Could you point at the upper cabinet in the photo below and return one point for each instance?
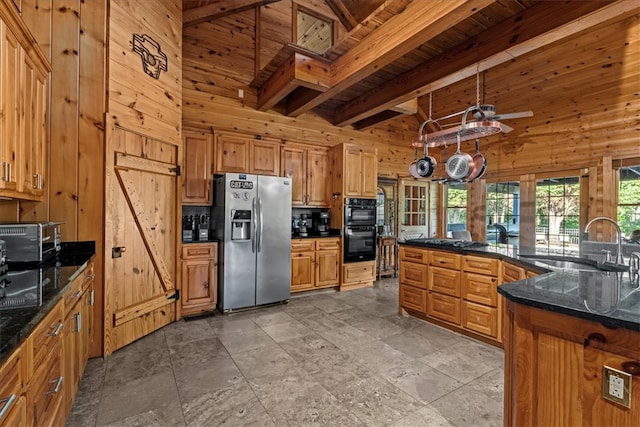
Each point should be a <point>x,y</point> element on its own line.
<point>355,170</point>
<point>308,168</point>
<point>198,165</point>
<point>24,93</point>
<point>246,154</point>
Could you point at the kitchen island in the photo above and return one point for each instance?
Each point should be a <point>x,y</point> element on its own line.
<point>559,327</point>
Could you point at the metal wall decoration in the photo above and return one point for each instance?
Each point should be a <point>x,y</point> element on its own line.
<point>154,60</point>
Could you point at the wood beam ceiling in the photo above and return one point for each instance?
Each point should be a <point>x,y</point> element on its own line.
<point>218,9</point>
<point>542,24</point>
<point>342,12</point>
<point>418,23</point>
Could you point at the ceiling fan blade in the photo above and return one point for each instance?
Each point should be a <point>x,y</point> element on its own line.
<point>513,115</point>
<point>505,128</point>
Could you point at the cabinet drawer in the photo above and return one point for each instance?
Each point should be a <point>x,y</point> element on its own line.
<point>480,289</point>
<point>46,390</point>
<point>73,294</point>
<point>303,245</point>
<point>12,381</point>
<point>46,335</point>
<point>327,244</point>
<point>413,299</point>
<point>444,281</point>
<point>479,318</point>
<point>413,274</point>
<point>481,265</point>
<point>358,272</point>
<point>443,307</point>
<point>511,273</point>
<point>445,259</point>
<point>419,256</point>
<point>200,250</point>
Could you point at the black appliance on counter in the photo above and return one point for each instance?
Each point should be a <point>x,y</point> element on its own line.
<point>31,243</point>
<point>320,223</point>
<point>359,230</point>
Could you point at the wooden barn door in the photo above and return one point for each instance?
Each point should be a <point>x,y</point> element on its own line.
<point>140,236</point>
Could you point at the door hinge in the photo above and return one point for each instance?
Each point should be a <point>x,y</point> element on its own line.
<point>175,296</point>
<point>176,170</point>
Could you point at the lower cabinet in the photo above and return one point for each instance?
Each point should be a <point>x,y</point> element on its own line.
<point>358,275</point>
<point>315,263</point>
<point>39,379</point>
<point>199,278</point>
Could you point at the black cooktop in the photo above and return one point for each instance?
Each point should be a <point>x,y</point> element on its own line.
<point>447,242</point>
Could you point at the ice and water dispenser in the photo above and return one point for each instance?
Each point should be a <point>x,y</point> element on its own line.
<point>240,224</point>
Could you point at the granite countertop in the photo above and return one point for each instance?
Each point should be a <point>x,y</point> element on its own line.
<point>188,242</point>
<point>333,232</point>
<point>604,297</point>
<point>17,323</point>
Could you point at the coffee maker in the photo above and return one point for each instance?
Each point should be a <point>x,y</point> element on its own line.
<point>303,226</point>
<point>321,223</point>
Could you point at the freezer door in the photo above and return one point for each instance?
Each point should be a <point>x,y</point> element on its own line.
<point>273,263</point>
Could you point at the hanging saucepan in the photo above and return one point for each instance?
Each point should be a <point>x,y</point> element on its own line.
<point>413,168</point>
<point>459,165</point>
<point>427,164</point>
<point>480,164</point>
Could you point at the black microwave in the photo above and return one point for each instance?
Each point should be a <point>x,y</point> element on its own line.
<point>359,212</point>
<point>31,243</point>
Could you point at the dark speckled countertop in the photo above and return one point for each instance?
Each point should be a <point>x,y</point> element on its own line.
<point>603,297</point>
<point>16,323</point>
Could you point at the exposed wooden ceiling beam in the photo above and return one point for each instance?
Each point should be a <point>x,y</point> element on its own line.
<point>418,23</point>
<point>343,14</point>
<point>542,24</point>
<point>218,9</point>
<point>407,107</point>
<point>299,70</point>
<point>376,120</point>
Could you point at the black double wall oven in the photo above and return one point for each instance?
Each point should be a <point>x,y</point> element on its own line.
<point>359,230</point>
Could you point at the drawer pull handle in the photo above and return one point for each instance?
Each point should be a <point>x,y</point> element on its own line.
<point>8,402</point>
<point>57,331</point>
<point>90,277</point>
<point>56,389</point>
<point>79,322</point>
<point>76,294</point>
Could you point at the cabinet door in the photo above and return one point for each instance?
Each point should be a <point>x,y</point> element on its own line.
<point>10,84</point>
<point>413,274</point>
<point>369,174</point>
<point>302,271</point>
<point>198,285</point>
<point>444,281</point>
<point>443,307</point>
<point>353,172</point>
<point>196,177</point>
<point>40,135</point>
<point>264,157</point>
<point>293,165</point>
<point>232,153</point>
<point>413,298</point>
<point>71,352</point>
<point>327,268</point>
<point>318,177</point>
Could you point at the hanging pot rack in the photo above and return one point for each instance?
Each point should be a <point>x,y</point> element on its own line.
<point>466,131</point>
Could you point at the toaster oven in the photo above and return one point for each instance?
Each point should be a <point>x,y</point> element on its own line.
<point>31,243</point>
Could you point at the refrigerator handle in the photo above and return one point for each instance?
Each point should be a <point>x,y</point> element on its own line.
<point>261,225</point>
<point>255,225</point>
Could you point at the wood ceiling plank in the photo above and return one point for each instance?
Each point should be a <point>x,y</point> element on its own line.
<point>419,22</point>
<point>344,15</point>
<point>218,9</point>
<point>538,26</point>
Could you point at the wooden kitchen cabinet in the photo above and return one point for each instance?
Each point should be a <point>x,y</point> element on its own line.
<point>413,279</point>
<point>197,168</point>
<point>554,369</point>
<point>358,275</point>
<point>315,263</point>
<point>23,123</point>
<point>308,168</point>
<point>241,153</point>
<point>355,170</point>
<point>199,278</point>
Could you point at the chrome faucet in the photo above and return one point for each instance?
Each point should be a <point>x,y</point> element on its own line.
<point>585,236</point>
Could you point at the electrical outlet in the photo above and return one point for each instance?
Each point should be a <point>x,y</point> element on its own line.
<point>240,93</point>
<point>616,386</point>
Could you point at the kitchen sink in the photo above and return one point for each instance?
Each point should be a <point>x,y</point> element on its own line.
<point>574,263</point>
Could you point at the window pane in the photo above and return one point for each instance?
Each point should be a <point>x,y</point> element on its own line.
<point>629,199</point>
<point>456,207</point>
<point>503,212</point>
<point>558,215</point>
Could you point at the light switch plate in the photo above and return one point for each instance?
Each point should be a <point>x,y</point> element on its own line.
<point>616,386</point>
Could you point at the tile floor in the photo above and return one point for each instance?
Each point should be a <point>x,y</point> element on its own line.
<point>334,359</point>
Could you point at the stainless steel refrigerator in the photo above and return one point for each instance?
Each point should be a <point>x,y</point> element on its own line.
<point>252,216</point>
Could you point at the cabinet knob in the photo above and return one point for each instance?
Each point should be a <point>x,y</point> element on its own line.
<point>205,285</point>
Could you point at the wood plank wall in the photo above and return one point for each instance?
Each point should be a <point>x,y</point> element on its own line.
<point>137,101</point>
<point>219,59</point>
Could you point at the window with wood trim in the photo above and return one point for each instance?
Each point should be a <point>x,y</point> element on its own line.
<point>312,30</point>
<point>503,212</point>
<point>629,199</point>
<point>558,215</point>
<point>456,199</point>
